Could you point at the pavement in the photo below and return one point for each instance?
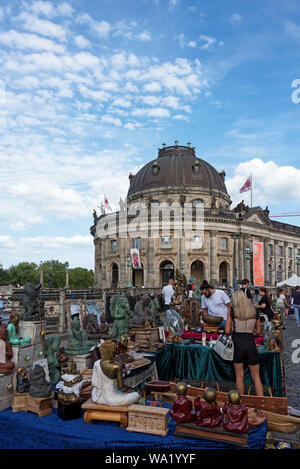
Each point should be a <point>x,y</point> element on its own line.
<point>291,354</point>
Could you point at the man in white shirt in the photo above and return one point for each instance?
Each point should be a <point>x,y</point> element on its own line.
<point>215,302</point>
<point>168,293</point>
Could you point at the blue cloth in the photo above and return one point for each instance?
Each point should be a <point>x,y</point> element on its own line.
<point>28,431</point>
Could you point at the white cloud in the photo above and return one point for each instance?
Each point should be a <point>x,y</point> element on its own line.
<point>145,36</point>
<point>25,41</point>
<point>207,42</point>
<point>108,119</point>
<point>153,112</point>
<point>56,242</point>
<point>6,242</point>
<point>82,42</point>
<point>235,18</point>
<point>192,44</point>
<point>100,28</point>
<point>43,27</point>
<point>153,86</point>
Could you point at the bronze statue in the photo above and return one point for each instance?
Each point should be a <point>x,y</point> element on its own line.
<point>6,353</point>
<point>22,380</point>
<point>141,312</point>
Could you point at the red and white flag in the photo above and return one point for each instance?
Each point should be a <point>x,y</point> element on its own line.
<point>247,186</point>
<point>106,203</point>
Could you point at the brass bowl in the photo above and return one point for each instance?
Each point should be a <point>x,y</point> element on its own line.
<point>212,320</point>
<point>277,323</point>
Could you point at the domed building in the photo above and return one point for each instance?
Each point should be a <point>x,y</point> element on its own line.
<point>178,215</point>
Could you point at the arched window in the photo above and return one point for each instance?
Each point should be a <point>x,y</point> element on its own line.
<point>115,275</point>
<point>166,272</point>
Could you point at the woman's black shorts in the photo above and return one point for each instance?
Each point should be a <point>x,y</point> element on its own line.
<point>244,348</point>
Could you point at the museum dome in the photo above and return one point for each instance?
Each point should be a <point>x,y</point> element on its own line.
<point>177,167</point>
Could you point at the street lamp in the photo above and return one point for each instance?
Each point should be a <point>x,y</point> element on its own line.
<point>235,282</point>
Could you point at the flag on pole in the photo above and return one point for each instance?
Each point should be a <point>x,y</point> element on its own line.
<point>106,203</point>
<point>247,186</point>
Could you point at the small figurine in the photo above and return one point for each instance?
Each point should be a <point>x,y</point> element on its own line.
<point>107,379</point>
<point>22,380</point>
<point>6,353</point>
<point>39,386</point>
<point>122,345</point>
<point>235,414</point>
<point>61,357</point>
<point>70,383</point>
<point>13,332</point>
<point>52,346</point>
<point>208,413</point>
<point>78,342</point>
<point>183,406</point>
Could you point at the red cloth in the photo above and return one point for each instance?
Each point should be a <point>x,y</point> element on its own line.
<point>198,336</point>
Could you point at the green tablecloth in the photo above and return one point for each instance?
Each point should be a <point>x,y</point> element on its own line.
<point>197,362</point>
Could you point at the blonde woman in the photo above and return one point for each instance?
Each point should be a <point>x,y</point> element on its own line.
<point>243,322</point>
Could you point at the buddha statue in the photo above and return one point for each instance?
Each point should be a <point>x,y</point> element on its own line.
<point>6,353</point>
<point>121,313</point>
<point>70,383</point>
<point>122,345</point>
<point>235,414</point>
<point>208,413</point>
<point>33,305</point>
<point>182,409</point>
<point>141,313</point>
<point>61,357</point>
<point>22,380</point>
<point>78,342</point>
<point>39,386</point>
<point>107,379</point>
<point>13,332</point>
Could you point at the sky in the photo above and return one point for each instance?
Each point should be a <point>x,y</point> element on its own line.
<point>90,90</point>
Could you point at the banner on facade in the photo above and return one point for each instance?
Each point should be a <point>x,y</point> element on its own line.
<point>135,258</point>
<point>258,264</point>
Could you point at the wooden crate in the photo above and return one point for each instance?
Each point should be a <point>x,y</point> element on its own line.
<point>144,419</point>
<point>39,405</point>
<point>19,402</point>
<point>148,339</point>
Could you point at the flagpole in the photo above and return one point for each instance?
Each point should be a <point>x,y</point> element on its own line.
<point>251,190</point>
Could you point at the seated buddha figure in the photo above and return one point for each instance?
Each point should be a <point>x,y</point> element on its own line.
<point>78,342</point>
<point>39,386</point>
<point>14,337</point>
<point>141,314</point>
<point>208,413</point>
<point>183,406</point>
<point>107,379</point>
<point>6,353</point>
<point>235,414</point>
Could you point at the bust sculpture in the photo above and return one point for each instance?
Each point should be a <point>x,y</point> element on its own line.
<point>78,342</point>
<point>6,353</point>
<point>22,380</point>
<point>91,327</point>
<point>33,306</point>
<point>14,337</point>
<point>235,414</point>
<point>182,409</point>
<point>141,313</point>
<point>208,413</point>
<point>121,313</point>
<point>39,386</point>
<point>70,383</point>
<point>107,379</point>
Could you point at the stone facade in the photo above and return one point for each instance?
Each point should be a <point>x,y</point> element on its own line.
<point>219,252</point>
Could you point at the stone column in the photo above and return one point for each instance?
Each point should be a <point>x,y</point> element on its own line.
<point>41,273</point>
<point>275,261</point>
<point>241,256</point>
<point>151,276</point>
<point>247,262</point>
<point>214,274</point>
<point>123,262</point>
<point>265,241</point>
<point>67,278</point>
<point>286,260</point>
<point>235,261</point>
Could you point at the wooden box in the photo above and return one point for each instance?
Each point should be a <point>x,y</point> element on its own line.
<point>94,411</point>
<point>148,339</point>
<point>19,402</point>
<point>69,410</point>
<point>39,405</point>
<point>144,419</point>
<point>191,430</point>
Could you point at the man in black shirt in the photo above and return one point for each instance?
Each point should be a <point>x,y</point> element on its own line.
<point>246,289</point>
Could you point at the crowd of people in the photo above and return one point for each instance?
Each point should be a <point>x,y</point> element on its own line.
<point>242,313</point>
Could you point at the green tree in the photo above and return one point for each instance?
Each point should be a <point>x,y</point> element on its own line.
<point>4,276</point>
<point>24,272</point>
<point>81,278</point>
<point>58,270</point>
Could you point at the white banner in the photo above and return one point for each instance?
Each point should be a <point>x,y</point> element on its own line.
<point>135,259</point>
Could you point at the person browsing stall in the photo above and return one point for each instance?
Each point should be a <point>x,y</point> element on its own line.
<point>168,294</point>
<point>215,302</point>
<point>246,289</point>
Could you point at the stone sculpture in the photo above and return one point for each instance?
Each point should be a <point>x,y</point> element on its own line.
<point>107,379</point>
<point>182,409</point>
<point>6,353</point>
<point>91,327</point>
<point>78,342</point>
<point>33,305</point>
<point>235,414</point>
<point>141,312</point>
<point>121,313</point>
<point>39,386</point>
<point>14,337</point>
<point>208,413</point>
<point>52,346</point>
<point>179,287</point>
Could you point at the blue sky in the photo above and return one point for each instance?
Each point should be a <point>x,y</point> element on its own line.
<point>90,90</point>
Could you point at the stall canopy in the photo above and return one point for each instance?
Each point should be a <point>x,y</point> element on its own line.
<point>293,281</point>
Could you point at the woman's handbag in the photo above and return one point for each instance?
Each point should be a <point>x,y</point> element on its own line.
<point>224,347</point>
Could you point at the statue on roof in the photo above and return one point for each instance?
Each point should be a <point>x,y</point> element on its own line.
<point>241,207</point>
